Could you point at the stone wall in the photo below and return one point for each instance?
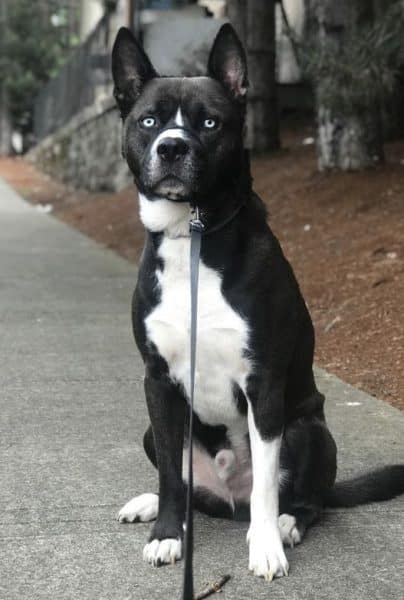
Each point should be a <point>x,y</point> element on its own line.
<point>86,152</point>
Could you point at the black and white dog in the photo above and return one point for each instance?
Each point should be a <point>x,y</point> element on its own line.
<point>263,449</point>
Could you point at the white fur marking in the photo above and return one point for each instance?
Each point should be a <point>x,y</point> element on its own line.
<point>162,552</point>
<point>142,508</point>
<point>179,120</point>
<point>222,336</point>
<point>266,555</point>
<point>164,215</point>
<point>289,532</point>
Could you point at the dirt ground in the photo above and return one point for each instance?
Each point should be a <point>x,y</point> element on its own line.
<point>343,234</point>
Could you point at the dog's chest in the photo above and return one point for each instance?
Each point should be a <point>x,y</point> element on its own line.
<point>222,335</point>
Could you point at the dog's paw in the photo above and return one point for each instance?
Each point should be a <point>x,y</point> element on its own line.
<point>162,552</point>
<point>266,555</point>
<point>141,508</point>
<point>289,532</point>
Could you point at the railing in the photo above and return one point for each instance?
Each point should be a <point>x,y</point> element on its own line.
<point>77,84</point>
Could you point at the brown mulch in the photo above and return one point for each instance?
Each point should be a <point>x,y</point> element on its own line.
<point>343,233</point>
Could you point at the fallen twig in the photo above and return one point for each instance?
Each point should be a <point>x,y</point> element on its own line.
<point>213,588</point>
<point>332,323</point>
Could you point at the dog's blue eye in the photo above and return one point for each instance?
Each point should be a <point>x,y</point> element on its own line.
<point>148,122</point>
<point>209,123</point>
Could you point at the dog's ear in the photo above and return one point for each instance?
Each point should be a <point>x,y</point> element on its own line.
<point>131,69</point>
<point>227,62</point>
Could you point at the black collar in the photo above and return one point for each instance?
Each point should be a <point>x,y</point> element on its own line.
<point>197,221</point>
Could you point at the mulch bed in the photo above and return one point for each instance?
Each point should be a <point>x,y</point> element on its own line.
<point>342,232</point>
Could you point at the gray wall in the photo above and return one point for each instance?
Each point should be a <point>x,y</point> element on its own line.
<point>86,153</point>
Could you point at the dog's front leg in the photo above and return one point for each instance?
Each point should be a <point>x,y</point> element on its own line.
<point>166,407</point>
<point>266,555</point>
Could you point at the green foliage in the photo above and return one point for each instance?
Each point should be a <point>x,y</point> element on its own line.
<point>33,49</point>
<point>358,67</point>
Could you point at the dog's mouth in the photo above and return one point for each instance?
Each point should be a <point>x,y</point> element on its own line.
<point>172,188</point>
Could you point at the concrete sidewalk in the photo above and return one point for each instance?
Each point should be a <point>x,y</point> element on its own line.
<point>72,419</point>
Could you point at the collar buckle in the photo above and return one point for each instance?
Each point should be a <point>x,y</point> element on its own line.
<point>195,224</point>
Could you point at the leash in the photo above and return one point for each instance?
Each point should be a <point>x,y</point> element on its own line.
<point>196,228</point>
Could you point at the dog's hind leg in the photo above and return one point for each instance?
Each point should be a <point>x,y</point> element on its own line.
<point>309,457</point>
<point>294,523</point>
<point>142,508</point>
<point>211,505</point>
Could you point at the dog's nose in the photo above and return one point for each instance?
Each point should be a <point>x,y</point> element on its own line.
<point>171,149</point>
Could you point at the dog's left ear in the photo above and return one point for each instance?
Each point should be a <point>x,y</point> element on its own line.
<point>131,69</point>
<point>227,62</point>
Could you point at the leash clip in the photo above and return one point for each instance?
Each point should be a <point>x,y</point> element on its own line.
<point>195,224</point>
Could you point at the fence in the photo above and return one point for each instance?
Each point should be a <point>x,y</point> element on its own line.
<point>77,83</point>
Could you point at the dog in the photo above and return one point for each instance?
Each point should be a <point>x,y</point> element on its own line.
<point>262,448</point>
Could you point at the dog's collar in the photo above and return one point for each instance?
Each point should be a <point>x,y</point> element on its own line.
<point>197,221</point>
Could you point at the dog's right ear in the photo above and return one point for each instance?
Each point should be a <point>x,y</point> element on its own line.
<point>228,63</point>
<point>131,69</point>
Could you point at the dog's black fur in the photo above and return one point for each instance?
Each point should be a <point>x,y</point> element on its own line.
<point>257,282</point>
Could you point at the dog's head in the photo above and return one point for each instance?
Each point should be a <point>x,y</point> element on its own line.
<point>182,136</point>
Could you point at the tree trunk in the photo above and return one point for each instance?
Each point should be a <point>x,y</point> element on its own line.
<point>5,120</point>
<point>254,20</point>
<point>237,13</point>
<point>393,102</point>
<point>5,126</point>
<point>348,142</point>
<point>348,139</point>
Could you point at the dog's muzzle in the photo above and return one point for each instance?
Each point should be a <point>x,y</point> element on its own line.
<point>175,163</point>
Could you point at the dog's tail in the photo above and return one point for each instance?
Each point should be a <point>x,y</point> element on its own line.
<point>376,486</point>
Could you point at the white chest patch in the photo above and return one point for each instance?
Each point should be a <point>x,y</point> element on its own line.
<point>222,335</point>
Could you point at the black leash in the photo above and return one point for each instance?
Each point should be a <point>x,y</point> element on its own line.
<point>196,229</point>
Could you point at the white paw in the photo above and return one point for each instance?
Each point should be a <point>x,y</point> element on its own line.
<point>141,508</point>
<point>267,558</point>
<point>289,532</point>
<point>162,552</point>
